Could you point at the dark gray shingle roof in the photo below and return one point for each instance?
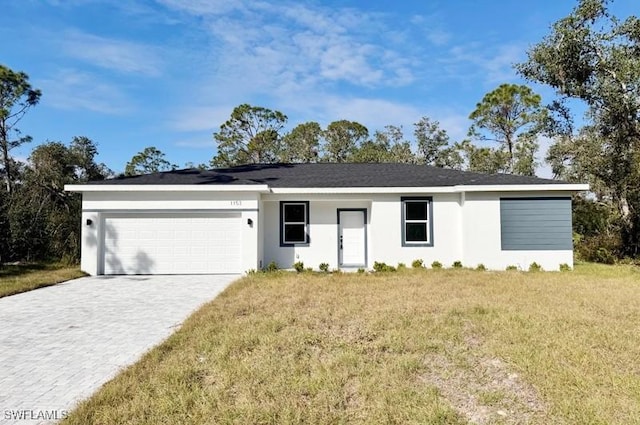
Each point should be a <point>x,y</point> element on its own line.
<point>328,175</point>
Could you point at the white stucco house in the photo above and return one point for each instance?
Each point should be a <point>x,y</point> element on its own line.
<point>347,215</point>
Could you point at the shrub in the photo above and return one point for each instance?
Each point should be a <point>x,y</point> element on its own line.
<point>271,267</point>
<point>436,265</point>
<point>604,248</point>
<point>417,264</point>
<point>603,255</point>
<point>481,267</point>
<point>324,267</point>
<point>535,267</point>
<point>457,264</point>
<point>299,266</point>
<point>361,270</point>
<point>511,268</point>
<point>402,266</point>
<point>565,267</point>
<point>308,269</point>
<point>383,267</point>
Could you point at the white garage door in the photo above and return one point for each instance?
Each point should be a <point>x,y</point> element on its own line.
<point>172,244</point>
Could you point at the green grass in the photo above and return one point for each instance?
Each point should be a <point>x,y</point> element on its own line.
<point>417,346</point>
<point>18,278</point>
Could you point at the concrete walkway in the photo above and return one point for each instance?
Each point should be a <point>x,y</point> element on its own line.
<point>59,344</point>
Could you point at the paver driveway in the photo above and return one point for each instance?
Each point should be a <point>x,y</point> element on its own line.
<point>61,343</point>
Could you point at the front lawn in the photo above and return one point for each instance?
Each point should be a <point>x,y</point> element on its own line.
<point>16,278</point>
<point>440,347</point>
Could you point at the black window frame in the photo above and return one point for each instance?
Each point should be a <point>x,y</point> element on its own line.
<point>429,221</point>
<point>307,239</point>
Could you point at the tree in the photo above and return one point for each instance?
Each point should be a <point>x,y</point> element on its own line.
<point>83,151</point>
<point>342,139</point>
<point>16,97</point>
<point>150,160</point>
<point>510,115</point>
<point>250,136</point>
<point>482,159</point>
<point>5,227</point>
<point>302,144</point>
<point>388,145</point>
<point>42,218</point>
<point>430,140</point>
<point>594,57</point>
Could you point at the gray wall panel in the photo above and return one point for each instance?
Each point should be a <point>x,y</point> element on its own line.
<point>535,224</point>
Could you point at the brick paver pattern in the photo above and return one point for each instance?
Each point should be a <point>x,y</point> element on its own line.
<point>59,344</point>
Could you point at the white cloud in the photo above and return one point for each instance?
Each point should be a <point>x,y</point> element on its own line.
<point>544,169</point>
<point>196,143</point>
<point>270,44</point>
<point>72,89</point>
<point>203,7</point>
<point>201,118</point>
<point>491,63</point>
<point>117,55</point>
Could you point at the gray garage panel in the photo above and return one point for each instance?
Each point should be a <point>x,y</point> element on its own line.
<point>535,224</point>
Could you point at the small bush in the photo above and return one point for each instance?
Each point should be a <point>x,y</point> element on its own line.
<point>299,266</point>
<point>535,267</point>
<point>565,267</point>
<point>417,264</point>
<point>324,267</point>
<point>481,268</point>
<point>271,267</point>
<point>604,248</point>
<point>402,266</point>
<point>436,265</point>
<point>603,255</point>
<point>512,268</point>
<point>383,267</point>
<point>308,269</point>
<point>361,270</point>
<point>457,264</point>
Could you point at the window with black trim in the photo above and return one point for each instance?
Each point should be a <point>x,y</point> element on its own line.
<point>294,223</point>
<point>416,222</point>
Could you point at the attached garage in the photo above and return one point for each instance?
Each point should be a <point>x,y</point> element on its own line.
<point>172,243</point>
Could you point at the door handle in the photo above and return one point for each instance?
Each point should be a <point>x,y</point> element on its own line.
<point>340,241</point>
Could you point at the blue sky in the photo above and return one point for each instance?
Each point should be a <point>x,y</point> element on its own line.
<point>166,73</point>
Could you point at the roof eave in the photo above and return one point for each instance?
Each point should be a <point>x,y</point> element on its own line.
<point>261,188</point>
<point>555,187</point>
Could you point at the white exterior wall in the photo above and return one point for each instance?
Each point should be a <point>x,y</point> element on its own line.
<point>383,227</point>
<point>95,205</point>
<point>481,235</point>
<point>323,231</point>
<point>386,232</point>
<point>466,226</point>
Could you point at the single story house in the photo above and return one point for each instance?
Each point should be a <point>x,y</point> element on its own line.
<point>348,215</point>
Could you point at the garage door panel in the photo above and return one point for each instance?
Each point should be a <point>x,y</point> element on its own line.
<point>181,244</point>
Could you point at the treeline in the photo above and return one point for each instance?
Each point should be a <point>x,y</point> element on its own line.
<point>590,57</point>
<point>511,117</point>
<point>39,221</point>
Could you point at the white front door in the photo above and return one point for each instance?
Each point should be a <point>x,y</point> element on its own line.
<point>352,241</point>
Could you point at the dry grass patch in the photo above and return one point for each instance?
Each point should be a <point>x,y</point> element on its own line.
<point>18,278</point>
<point>439,347</point>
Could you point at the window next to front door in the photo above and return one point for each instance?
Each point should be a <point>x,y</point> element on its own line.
<point>294,223</point>
<point>417,221</point>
